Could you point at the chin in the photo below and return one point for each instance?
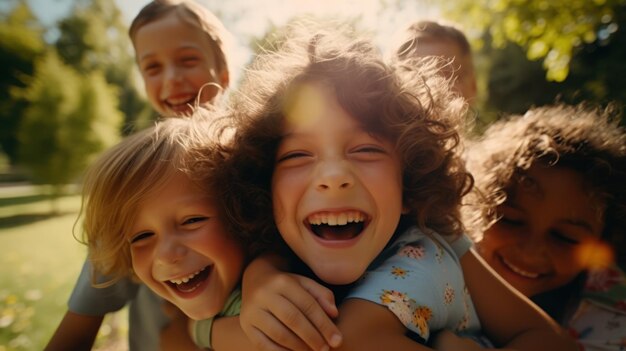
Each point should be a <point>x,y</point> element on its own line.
<point>336,277</point>
<point>198,314</point>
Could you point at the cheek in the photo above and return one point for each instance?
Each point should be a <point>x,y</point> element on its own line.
<point>284,194</point>
<point>200,75</point>
<point>151,85</point>
<point>494,239</point>
<point>567,262</point>
<point>139,263</point>
<point>233,258</point>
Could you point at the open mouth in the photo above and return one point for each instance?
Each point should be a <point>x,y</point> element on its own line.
<point>180,105</point>
<point>519,271</point>
<point>337,225</point>
<point>191,282</point>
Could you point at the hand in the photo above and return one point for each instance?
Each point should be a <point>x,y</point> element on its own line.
<point>284,311</point>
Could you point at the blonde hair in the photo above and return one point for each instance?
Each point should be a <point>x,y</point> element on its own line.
<point>119,180</point>
<point>197,16</point>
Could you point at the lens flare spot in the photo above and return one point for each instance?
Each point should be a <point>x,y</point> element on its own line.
<point>303,104</point>
<point>595,254</point>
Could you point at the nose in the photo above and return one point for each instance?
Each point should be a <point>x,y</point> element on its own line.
<point>169,250</point>
<point>534,251</point>
<point>172,74</point>
<point>334,175</point>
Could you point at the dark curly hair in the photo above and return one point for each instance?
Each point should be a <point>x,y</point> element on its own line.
<point>412,107</point>
<point>587,140</point>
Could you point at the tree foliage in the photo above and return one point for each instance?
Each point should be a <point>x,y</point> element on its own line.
<point>70,118</point>
<point>549,30</point>
<point>94,37</point>
<point>21,42</point>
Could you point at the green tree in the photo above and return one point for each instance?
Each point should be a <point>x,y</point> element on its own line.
<point>94,37</point>
<point>69,119</point>
<point>21,42</point>
<point>549,30</point>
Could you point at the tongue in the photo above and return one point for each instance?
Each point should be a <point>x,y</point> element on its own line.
<point>193,283</point>
<point>338,232</point>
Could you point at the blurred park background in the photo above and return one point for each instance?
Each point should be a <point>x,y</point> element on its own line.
<point>69,89</point>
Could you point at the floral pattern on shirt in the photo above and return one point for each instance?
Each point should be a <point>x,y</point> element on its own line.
<point>419,279</point>
<point>416,252</point>
<point>398,303</point>
<point>400,272</point>
<point>448,294</point>
<point>421,316</point>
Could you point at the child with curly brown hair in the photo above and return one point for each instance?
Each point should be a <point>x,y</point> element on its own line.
<point>351,163</point>
<point>550,205</point>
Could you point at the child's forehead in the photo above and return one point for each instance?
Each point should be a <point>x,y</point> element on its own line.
<point>174,23</point>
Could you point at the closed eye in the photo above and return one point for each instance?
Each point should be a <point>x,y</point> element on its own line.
<point>194,220</point>
<point>190,60</point>
<point>371,149</point>
<point>564,238</point>
<point>151,69</point>
<point>291,155</point>
<point>140,236</point>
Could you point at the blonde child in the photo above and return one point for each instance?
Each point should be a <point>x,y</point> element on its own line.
<point>183,54</point>
<point>355,164</point>
<point>182,51</point>
<point>550,202</point>
<point>151,213</point>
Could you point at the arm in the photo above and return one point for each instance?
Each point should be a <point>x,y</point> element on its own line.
<point>75,332</point>
<point>286,310</point>
<point>87,307</point>
<point>510,319</point>
<point>368,326</point>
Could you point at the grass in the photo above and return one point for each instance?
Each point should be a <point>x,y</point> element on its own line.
<point>39,265</point>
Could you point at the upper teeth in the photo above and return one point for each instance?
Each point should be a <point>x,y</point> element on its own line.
<point>336,218</point>
<point>520,271</point>
<point>178,101</point>
<point>187,278</point>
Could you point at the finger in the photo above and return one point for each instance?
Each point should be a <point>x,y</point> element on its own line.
<point>322,322</point>
<point>304,316</point>
<point>322,294</point>
<point>275,332</point>
<point>261,342</point>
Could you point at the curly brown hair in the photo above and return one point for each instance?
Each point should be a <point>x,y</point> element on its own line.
<point>587,140</point>
<point>115,185</point>
<point>413,107</point>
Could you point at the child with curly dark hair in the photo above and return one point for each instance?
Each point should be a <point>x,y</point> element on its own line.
<point>351,163</point>
<point>550,205</point>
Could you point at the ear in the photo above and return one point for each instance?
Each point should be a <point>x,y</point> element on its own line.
<point>224,79</point>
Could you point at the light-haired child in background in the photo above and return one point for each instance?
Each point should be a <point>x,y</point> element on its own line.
<point>429,38</point>
<point>354,160</point>
<point>182,52</point>
<point>551,202</point>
